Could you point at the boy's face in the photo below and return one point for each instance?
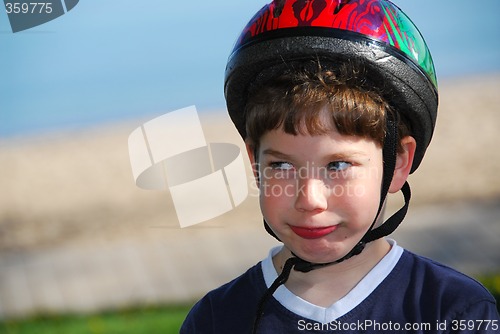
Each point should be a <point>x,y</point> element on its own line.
<point>320,193</point>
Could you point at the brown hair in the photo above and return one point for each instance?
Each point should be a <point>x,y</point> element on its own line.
<point>296,99</point>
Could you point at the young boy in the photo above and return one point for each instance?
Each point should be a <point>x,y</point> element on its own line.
<point>336,101</point>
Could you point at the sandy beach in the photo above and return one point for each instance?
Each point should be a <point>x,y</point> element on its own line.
<point>73,188</point>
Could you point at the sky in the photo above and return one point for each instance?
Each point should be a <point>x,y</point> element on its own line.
<point>111,60</point>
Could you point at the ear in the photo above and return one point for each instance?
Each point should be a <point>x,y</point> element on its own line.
<point>251,151</point>
<point>404,162</point>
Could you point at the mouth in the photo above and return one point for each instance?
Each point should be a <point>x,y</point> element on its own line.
<point>313,233</point>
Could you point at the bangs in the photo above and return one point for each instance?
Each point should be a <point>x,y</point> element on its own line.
<point>314,104</point>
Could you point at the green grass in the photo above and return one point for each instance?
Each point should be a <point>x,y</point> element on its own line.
<point>492,283</point>
<point>151,320</point>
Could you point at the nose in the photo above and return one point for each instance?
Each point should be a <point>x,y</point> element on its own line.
<point>311,195</point>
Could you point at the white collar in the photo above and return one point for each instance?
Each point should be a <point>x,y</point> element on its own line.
<point>359,293</point>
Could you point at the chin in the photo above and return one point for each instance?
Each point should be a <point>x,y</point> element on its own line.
<point>321,252</point>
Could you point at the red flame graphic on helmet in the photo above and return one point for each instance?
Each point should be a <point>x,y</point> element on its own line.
<point>377,19</point>
<point>363,16</point>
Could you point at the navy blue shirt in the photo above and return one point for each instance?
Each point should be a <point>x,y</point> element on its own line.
<point>418,296</point>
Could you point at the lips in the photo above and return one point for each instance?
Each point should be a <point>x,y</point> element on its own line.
<point>313,233</point>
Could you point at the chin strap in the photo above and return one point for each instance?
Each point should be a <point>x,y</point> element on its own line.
<point>282,278</point>
<point>297,264</point>
<point>389,153</point>
<point>393,222</point>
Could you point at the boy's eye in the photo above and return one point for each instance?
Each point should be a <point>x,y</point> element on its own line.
<point>338,166</point>
<point>281,165</point>
<point>281,170</point>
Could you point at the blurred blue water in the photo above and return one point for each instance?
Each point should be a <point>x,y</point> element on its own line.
<point>117,59</point>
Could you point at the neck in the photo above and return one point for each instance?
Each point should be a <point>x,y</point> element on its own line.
<point>325,286</point>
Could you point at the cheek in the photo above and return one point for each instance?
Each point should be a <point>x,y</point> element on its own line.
<point>357,200</point>
<point>368,182</point>
<point>276,197</point>
<point>364,204</point>
<point>275,192</point>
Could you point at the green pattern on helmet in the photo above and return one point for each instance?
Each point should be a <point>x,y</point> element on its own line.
<point>404,35</point>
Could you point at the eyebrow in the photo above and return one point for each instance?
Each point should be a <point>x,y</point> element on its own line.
<point>276,154</point>
<point>344,155</point>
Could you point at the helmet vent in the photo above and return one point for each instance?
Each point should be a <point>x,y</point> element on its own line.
<point>278,8</point>
<point>338,8</point>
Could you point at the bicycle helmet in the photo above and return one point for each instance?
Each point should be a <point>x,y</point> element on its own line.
<point>376,32</point>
